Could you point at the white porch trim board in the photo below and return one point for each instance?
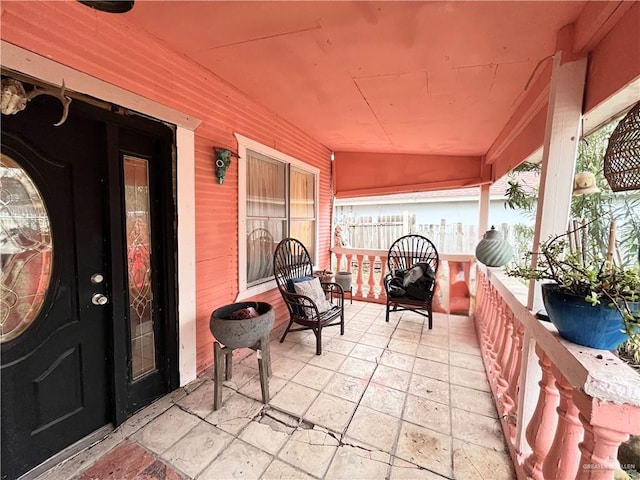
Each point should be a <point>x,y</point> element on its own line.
<point>485,201</point>
<point>561,138</point>
<point>562,134</point>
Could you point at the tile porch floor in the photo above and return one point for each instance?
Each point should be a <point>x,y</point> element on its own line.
<point>386,400</point>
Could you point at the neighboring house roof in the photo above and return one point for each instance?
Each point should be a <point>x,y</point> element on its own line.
<point>529,180</point>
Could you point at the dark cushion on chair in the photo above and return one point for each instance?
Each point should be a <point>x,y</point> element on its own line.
<point>291,281</point>
<point>299,311</point>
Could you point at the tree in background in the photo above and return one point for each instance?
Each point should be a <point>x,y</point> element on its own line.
<point>596,209</point>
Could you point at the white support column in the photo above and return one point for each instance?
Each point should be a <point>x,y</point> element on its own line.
<point>485,200</point>
<point>558,160</point>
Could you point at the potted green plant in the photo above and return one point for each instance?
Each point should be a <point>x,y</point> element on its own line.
<point>591,301</point>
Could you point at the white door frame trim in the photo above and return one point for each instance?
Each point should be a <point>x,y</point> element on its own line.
<point>36,66</point>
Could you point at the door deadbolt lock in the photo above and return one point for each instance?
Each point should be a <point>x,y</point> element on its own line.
<point>97,278</point>
<point>99,299</point>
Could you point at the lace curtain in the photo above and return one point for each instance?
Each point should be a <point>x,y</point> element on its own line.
<point>266,213</point>
<point>303,208</point>
<point>267,220</point>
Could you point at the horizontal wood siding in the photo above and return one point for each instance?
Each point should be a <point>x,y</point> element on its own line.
<point>106,47</point>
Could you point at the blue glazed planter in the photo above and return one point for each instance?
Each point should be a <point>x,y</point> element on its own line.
<point>579,322</point>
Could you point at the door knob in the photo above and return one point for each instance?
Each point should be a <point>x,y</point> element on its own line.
<point>99,299</point>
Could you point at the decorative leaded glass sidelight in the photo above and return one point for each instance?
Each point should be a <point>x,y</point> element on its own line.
<point>136,185</point>
<point>26,250</point>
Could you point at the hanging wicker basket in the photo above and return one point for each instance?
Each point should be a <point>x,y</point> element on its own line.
<point>622,159</point>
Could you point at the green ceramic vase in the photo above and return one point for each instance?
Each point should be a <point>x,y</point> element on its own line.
<point>493,250</point>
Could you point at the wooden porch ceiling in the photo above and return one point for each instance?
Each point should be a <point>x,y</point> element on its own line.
<point>440,78</point>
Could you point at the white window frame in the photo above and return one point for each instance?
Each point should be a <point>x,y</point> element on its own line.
<point>244,144</point>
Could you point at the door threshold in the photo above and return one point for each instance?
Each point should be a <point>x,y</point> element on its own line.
<point>68,452</point>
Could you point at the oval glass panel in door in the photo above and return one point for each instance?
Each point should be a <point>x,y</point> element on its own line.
<point>26,250</point>
<point>136,184</point>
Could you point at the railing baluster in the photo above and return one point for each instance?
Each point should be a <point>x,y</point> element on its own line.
<point>564,456</point>
<point>599,452</point>
<point>543,423</point>
<point>372,279</point>
<point>502,385</point>
<point>513,374</point>
<point>349,268</point>
<point>492,333</point>
<point>606,426</point>
<point>485,341</point>
<point>359,281</point>
<point>366,288</point>
<point>546,384</point>
<point>383,273</point>
<point>480,300</point>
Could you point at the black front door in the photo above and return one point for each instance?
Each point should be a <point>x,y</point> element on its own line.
<point>86,248</point>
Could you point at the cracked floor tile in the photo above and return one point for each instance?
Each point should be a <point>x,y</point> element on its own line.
<point>357,462</point>
<point>402,470</point>
<point>235,413</point>
<point>278,470</point>
<point>240,460</point>
<point>264,436</point>
<point>473,462</point>
<point>193,452</point>
<point>166,429</point>
<point>426,448</point>
<point>310,450</point>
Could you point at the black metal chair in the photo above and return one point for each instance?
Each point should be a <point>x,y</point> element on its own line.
<point>405,253</point>
<point>292,264</point>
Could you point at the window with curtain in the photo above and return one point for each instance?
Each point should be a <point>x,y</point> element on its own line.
<point>280,202</point>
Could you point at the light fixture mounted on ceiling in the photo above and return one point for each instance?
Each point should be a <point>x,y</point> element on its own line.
<point>109,6</point>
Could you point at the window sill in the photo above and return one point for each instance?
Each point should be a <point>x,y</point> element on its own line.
<point>256,290</point>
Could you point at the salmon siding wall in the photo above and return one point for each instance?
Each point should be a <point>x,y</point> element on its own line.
<point>106,47</point>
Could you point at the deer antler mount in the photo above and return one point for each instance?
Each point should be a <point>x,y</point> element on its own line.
<point>14,98</point>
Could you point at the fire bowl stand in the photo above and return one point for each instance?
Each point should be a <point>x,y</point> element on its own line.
<point>223,359</point>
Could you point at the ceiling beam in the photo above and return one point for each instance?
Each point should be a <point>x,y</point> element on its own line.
<point>594,22</point>
<point>531,102</point>
<point>361,174</point>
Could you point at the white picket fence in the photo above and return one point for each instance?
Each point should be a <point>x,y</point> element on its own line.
<point>372,233</point>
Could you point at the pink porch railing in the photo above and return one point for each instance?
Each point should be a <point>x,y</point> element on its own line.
<point>564,408</point>
<point>370,266</point>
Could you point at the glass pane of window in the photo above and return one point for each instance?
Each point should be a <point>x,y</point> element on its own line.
<point>266,186</point>
<point>302,194</point>
<point>262,238</point>
<point>303,208</point>
<point>26,250</point>
<point>266,214</point>
<point>305,231</point>
<point>136,184</point>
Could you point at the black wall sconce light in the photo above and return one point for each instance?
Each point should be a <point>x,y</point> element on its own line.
<point>223,161</point>
<point>109,6</point>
